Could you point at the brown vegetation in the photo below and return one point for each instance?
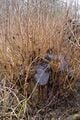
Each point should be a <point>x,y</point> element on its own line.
<point>25,36</point>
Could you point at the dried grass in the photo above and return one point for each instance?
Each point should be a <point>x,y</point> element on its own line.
<point>25,36</point>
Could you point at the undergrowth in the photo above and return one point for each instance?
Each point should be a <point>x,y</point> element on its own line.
<point>27,32</point>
